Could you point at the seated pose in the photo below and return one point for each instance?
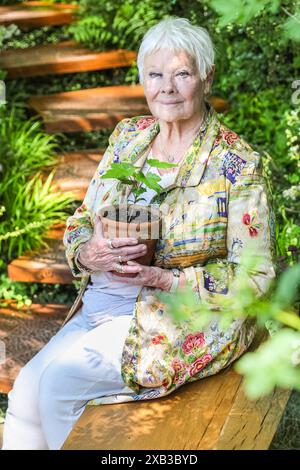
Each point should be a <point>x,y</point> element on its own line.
<point>117,342</point>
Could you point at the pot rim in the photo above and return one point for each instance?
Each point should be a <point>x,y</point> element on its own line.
<point>110,222</point>
<point>146,208</point>
<point>152,210</point>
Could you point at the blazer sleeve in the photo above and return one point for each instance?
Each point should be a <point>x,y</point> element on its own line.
<point>79,226</point>
<point>250,222</point>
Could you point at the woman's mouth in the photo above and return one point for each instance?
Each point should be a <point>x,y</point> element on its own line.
<point>170,103</point>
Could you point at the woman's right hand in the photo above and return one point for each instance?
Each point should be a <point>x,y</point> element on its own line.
<point>97,255</point>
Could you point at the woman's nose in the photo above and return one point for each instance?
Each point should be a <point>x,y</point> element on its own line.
<point>168,85</point>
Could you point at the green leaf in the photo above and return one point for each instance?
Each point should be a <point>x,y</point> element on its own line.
<point>159,164</point>
<point>271,365</point>
<point>241,12</point>
<point>139,191</point>
<point>287,287</point>
<point>151,180</point>
<point>119,170</point>
<point>292,28</point>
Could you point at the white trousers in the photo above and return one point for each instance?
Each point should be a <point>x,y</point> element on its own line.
<point>51,391</point>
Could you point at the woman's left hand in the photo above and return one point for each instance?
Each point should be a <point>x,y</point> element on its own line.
<point>151,276</point>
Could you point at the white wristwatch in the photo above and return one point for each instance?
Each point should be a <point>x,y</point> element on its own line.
<point>175,281</point>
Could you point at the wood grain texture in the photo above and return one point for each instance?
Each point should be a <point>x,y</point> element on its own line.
<point>36,14</point>
<point>96,108</point>
<point>23,335</point>
<point>208,414</point>
<point>251,425</point>
<point>189,418</point>
<point>65,57</point>
<point>12,310</point>
<point>89,109</point>
<point>74,171</point>
<point>56,231</point>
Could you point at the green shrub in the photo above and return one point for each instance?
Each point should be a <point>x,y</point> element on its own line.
<point>29,206</point>
<point>105,25</point>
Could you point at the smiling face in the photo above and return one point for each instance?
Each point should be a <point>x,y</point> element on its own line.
<point>172,85</point>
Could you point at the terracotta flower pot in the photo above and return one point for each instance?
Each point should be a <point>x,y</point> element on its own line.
<point>138,221</point>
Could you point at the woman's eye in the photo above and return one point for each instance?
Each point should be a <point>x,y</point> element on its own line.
<point>154,74</point>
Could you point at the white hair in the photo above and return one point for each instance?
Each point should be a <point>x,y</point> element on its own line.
<point>178,33</point>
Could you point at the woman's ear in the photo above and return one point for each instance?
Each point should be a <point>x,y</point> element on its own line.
<point>209,80</point>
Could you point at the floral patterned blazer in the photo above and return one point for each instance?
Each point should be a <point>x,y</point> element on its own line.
<point>223,192</point>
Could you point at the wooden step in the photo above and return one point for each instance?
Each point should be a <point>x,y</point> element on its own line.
<point>95,108</point>
<point>65,57</point>
<point>36,14</point>
<point>49,310</point>
<point>47,265</point>
<point>89,109</point>
<point>56,231</point>
<point>75,171</point>
<point>209,414</point>
<point>24,334</point>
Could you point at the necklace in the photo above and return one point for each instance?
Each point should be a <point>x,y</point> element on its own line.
<point>171,158</point>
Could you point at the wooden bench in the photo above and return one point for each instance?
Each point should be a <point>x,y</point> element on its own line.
<point>212,413</point>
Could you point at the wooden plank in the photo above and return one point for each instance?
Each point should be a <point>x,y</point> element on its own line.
<point>37,14</point>
<point>56,231</point>
<point>23,336</point>
<point>36,309</point>
<point>58,6</point>
<point>89,109</point>
<point>48,265</point>
<point>251,425</point>
<point>95,108</point>
<point>178,421</point>
<point>65,57</point>
<point>75,171</point>
<point>219,104</point>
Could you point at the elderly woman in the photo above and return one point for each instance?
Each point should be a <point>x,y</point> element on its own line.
<point>117,342</point>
